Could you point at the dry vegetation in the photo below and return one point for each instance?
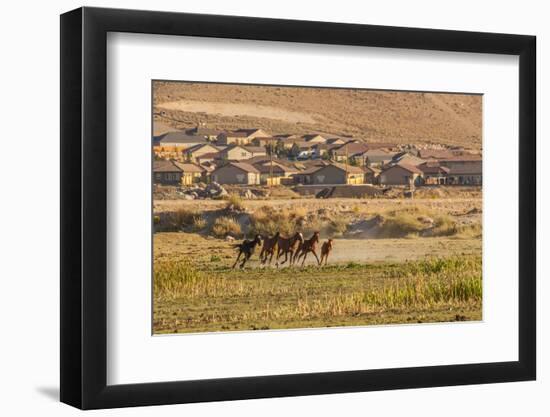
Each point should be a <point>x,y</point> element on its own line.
<point>449,119</point>
<point>195,296</point>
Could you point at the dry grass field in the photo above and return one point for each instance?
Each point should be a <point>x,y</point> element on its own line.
<point>401,275</point>
<point>397,117</point>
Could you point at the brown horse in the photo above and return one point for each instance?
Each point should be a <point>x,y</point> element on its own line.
<point>326,248</point>
<point>247,248</point>
<point>288,246</point>
<point>268,248</point>
<point>307,246</point>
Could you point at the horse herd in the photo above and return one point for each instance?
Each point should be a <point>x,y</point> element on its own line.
<point>293,248</point>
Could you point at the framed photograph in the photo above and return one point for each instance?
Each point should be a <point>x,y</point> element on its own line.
<point>257,208</point>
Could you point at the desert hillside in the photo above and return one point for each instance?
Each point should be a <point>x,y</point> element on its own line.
<point>450,119</point>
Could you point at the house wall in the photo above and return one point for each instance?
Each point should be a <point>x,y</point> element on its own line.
<point>202,151</point>
<point>224,139</point>
<point>397,176</point>
<point>237,154</point>
<point>167,178</point>
<point>329,175</point>
<point>232,175</point>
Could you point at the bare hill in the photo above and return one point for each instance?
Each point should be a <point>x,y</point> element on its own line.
<point>400,117</point>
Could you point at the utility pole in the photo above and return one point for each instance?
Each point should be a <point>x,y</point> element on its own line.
<point>270,164</point>
<point>346,161</point>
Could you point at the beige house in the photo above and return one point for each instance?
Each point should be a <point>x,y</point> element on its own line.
<point>196,152</point>
<point>256,151</point>
<point>371,175</point>
<point>166,173</point>
<point>377,157</point>
<point>314,138</point>
<point>336,173</point>
<point>236,173</point>
<point>190,173</point>
<point>433,173</point>
<point>240,136</point>
<point>407,158</point>
<point>348,151</point>
<point>265,141</point>
<point>400,174</point>
<point>205,132</point>
<point>235,153</point>
<point>269,170</point>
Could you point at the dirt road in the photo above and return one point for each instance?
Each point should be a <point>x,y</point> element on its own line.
<point>193,246</point>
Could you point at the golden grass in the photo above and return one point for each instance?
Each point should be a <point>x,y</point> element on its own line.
<point>219,298</point>
<point>226,226</point>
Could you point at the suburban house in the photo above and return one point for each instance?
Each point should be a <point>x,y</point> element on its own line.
<point>400,174</point>
<point>371,174</point>
<point>176,141</point>
<point>166,173</point>
<point>240,152</point>
<point>207,157</point>
<point>377,157</point>
<point>348,150</point>
<point>305,176</point>
<point>314,138</point>
<point>322,149</point>
<point>406,158</point>
<point>288,143</point>
<point>236,173</point>
<point>190,173</point>
<point>240,136</point>
<point>273,172</point>
<point>195,152</point>
<point>468,173</point>
<point>205,132</point>
<point>462,161</point>
<point>265,141</point>
<point>433,173</point>
<point>256,150</point>
<point>336,173</point>
<point>335,141</point>
<point>302,150</point>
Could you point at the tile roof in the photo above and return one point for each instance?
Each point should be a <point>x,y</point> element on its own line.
<point>179,137</point>
<point>241,165</point>
<point>165,166</point>
<point>188,167</point>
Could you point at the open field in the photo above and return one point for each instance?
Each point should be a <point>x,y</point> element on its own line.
<point>377,281</point>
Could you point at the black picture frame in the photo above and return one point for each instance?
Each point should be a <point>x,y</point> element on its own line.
<point>84,207</point>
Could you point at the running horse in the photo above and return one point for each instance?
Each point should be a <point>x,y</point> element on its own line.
<point>326,248</point>
<point>268,248</point>
<point>247,248</point>
<point>307,246</point>
<point>288,246</point>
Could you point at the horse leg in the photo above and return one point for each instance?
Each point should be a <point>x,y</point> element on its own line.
<point>286,258</point>
<point>316,257</point>
<point>305,256</point>
<point>237,260</point>
<point>279,253</point>
<point>246,258</point>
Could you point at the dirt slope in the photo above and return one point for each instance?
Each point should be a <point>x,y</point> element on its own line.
<point>451,119</point>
